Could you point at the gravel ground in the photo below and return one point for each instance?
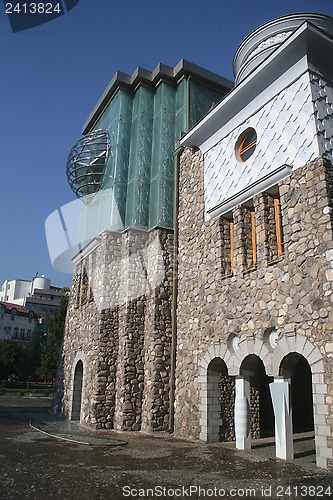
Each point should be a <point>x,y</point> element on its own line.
<point>37,466</point>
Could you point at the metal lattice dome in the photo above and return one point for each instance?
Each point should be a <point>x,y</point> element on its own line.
<point>86,163</point>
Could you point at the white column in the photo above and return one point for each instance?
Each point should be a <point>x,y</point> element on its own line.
<point>281,399</point>
<point>243,413</point>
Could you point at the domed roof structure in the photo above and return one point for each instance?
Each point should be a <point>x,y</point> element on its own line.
<point>261,42</point>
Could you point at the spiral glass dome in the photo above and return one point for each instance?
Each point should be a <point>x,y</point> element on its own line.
<point>86,163</point>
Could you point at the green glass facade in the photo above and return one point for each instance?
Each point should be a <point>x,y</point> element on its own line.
<point>144,123</point>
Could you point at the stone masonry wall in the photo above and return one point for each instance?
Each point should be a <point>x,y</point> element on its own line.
<point>119,325</point>
<point>292,293</point>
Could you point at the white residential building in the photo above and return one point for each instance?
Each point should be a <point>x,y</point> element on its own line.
<point>37,295</point>
<point>13,290</point>
<point>16,322</point>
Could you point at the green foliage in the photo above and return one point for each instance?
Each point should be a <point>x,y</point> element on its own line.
<point>39,359</point>
<point>37,393</point>
<point>35,350</point>
<point>55,331</point>
<point>13,359</point>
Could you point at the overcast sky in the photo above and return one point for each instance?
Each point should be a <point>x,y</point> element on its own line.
<point>52,76</point>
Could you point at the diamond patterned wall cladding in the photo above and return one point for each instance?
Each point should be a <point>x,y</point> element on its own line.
<point>293,128</point>
<point>322,94</point>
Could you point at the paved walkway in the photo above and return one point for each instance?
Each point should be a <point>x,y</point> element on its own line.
<point>38,466</point>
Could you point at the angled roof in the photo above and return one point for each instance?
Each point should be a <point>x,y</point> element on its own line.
<point>152,78</point>
<point>20,309</point>
<point>252,91</point>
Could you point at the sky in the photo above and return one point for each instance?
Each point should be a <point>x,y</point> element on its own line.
<point>52,76</point>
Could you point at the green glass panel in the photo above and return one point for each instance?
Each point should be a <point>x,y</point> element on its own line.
<point>201,100</point>
<point>120,172</point>
<point>118,115</point>
<point>138,187</point>
<point>181,110</point>
<point>162,154</point>
<point>144,129</point>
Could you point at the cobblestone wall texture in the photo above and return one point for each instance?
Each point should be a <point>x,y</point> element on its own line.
<point>119,325</point>
<point>290,293</point>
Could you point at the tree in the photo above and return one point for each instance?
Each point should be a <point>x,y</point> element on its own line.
<point>55,331</point>
<point>13,360</point>
<point>35,350</point>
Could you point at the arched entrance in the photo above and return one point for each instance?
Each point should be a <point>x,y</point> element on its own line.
<point>262,414</point>
<point>291,354</point>
<point>296,367</point>
<point>219,413</point>
<point>221,392</point>
<point>77,391</point>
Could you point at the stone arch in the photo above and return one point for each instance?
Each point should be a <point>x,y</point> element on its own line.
<point>271,357</point>
<point>262,414</point>
<point>296,366</point>
<point>212,365</point>
<point>249,345</point>
<point>210,418</point>
<point>77,387</point>
<point>301,345</point>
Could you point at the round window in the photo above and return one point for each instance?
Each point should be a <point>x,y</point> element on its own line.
<point>246,144</point>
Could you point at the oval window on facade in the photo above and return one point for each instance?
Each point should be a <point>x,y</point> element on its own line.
<point>246,144</point>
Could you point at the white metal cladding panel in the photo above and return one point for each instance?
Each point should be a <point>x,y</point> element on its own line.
<point>286,134</point>
<point>322,93</point>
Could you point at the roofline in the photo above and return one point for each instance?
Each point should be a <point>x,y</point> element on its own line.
<point>277,23</point>
<point>21,309</point>
<point>198,135</point>
<point>152,78</point>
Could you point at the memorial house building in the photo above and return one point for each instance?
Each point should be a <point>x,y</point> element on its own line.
<point>202,296</point>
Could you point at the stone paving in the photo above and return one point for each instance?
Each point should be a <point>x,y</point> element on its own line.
<point>38,466</point>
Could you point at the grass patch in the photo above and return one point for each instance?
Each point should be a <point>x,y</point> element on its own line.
<point>37,393</point>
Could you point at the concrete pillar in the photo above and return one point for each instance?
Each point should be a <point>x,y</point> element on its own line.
<point>281,399</point>
<point>243,413</point>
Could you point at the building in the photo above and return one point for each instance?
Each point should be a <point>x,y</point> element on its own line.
<point>255,317</point>
<point>123,170</point>
<point>219,327</point>
<point>15,290</point>
<point>16,322</point>
<point>37,295</point>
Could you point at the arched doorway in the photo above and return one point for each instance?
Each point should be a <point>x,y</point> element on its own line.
<point>225,397</point>
<point>262,414</point>
<point>218,403</point>
<point>296,367</point>
<point>77,391</point>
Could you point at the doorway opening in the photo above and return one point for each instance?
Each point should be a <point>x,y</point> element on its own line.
<point>77,391</point>
<point>262,414</point>
<point>296,366</point>
<point>220,408</point>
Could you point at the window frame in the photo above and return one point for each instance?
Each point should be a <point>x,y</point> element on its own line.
<point>241,150</point>
<point>278,225</point>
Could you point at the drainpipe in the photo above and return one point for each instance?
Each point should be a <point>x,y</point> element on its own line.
<point>177,154</point>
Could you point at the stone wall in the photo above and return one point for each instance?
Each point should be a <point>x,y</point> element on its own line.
<point>227,388</point>
<point>119,325</point>
<point>292,293</point>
